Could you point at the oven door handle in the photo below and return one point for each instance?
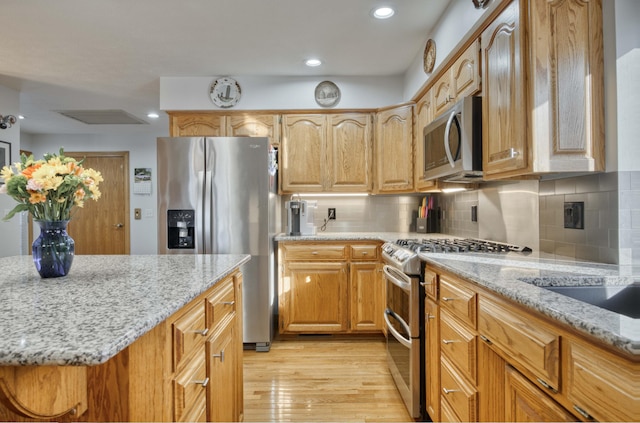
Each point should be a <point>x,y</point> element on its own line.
<point>397,278</point>
<point>404,341</point>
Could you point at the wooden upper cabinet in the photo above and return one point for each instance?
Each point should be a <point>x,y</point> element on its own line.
<point>250,125</point>
<point>326,153</point>
<point>423,114</point>
<point>394,150</point>
<point>349,149</point>
<point>504,126</point>
<point>303,154</point>
<point>190,124</point>
<point>215,124</point>
<point>543,94</point>
<point>460,80</point>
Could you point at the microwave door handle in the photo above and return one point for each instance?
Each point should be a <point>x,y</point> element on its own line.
<point>447,130</point>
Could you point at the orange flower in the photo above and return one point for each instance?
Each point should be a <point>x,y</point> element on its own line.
<point>37,197</point>
<point>29,170</point>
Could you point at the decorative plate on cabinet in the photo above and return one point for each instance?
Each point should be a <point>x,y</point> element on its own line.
<point>225,92</point>
<point>429,58</point>
<point>327,94</point>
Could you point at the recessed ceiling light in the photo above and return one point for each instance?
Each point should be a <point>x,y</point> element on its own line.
<point>153,115</point>
<point>383,13</point>
<point>312,62</point>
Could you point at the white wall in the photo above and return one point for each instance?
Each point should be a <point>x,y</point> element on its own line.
<point>10,232</point>
<point>281,92</point>
<point>142,153</point>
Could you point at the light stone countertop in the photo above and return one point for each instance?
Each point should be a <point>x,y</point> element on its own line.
<point>102,306</point>
<point>521,278</point>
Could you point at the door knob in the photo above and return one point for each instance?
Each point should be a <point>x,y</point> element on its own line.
<point>119,225</point>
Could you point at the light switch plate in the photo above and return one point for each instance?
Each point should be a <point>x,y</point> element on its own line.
<point>137,214</point>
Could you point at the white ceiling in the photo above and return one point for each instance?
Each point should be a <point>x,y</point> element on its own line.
<point>110,54</point>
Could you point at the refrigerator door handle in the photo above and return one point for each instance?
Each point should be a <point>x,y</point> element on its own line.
<point>207,208</point>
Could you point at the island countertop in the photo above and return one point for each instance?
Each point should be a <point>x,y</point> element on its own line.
<point>101,307</point>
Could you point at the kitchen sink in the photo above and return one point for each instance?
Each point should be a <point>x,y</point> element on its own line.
<point>619,299</point>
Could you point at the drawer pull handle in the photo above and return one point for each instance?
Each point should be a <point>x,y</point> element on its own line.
<point>202,332</point>
<point>449,391</point>
<point>430,316</point>
<point>582,412</point>
<point>449,341</point>
<point>364,253</point>
<point>229,303</point>
<point>220,356</point>
<point>204,382</point>
<point>546,385</point>
<point>485,339</point>
<point>447,299</point>
<point>315,253</point>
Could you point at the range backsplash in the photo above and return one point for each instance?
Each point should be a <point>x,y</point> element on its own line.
<point>527,213</point>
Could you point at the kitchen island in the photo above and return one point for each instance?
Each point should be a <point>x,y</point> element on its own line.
<point>114,339</point>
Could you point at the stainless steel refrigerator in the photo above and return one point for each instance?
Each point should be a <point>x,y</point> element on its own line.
<point>219,196</point>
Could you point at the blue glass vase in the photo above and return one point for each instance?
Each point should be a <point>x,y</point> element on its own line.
<point>53,250</point>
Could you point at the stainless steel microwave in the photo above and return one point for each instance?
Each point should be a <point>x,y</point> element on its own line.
<point>453,143</point>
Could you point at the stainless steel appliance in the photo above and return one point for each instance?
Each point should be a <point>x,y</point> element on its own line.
<point>219,196</point>
<point>453,143</point>
<point>403,320</point>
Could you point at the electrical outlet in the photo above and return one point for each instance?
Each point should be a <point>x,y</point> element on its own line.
<point>574,215</point>
<point>332,214</point>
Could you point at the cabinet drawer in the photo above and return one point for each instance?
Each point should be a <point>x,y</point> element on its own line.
<point>189,389</point>
<point>189,333</point>
<point>458,345</point>
<point>457,392</point>
<point>459,300</point>
<point>431,283</point>
<point>524,339</point>
<point>315,252</point>
<point>364,252</point>
<point>602,384</point>
<point>220,304</point>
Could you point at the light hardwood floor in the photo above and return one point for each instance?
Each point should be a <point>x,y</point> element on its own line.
<point>321,379</point>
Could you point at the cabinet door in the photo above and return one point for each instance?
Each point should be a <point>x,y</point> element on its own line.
<point>315,297</point>
<point>254,126</point>
<point>366,296</point>
<point>442,95</point>
<point>465,72</point>
<point>432,359</point>
<point>349,149</point>
<point>196,125</point>
<point>567,50</point>
<point>222,359</point>
<point>394,150</point>
<point>423,115</point>
<point>504,106</point>
<point>303,153</point>
<point>524,402</point>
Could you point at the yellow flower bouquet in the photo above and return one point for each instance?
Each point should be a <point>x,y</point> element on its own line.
<point>49,188</point>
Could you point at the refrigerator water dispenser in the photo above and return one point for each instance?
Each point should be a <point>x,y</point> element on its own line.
<point>180,229</point>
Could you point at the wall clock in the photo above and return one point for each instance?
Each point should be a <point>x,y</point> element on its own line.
<point>327,94</point>
<point>429,58</point>
<point>225,92</point>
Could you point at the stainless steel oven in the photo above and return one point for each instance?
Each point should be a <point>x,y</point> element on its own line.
<point>404,327</point>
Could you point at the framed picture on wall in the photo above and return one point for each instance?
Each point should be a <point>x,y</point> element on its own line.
<point>5,156</point>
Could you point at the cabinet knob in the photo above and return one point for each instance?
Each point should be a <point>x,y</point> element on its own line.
<point>315,253</point>
<point>204,382</point>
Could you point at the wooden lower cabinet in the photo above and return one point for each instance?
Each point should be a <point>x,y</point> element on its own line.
<point>526,403</point>
<point>517,365</point>
<point>222,362</point>
<point>327,287</point>
<point>432,359</point>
